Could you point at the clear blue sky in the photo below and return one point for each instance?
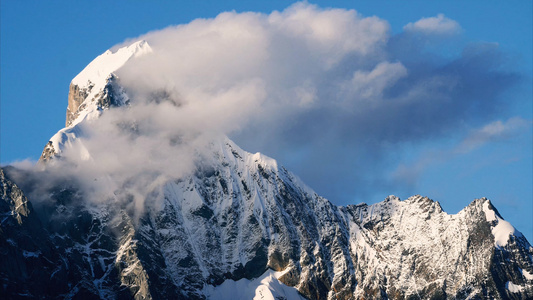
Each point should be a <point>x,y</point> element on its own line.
<point>44,44</point>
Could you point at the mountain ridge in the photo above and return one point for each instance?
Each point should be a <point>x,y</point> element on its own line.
<point>366,236</point>
<point>235,215</point>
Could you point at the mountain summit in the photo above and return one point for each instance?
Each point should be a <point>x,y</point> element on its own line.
<point>229,225</point>
<point>93,90</point>
<point>88,93</point>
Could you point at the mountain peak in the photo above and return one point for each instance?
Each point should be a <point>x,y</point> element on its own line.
<point>93,90</point>
<point>97,72</point>
<point>89,90</point>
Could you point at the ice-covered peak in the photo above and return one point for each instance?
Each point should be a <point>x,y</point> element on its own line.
<point>93,90</point>
<point>97,72</point>
<point>93,84</point>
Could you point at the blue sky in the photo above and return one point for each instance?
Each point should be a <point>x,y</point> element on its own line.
<point>482,153</point>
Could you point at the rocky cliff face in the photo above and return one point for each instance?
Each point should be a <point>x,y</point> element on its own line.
<point>27,254</point>
<point>111,95</point>
<point>76,97</point>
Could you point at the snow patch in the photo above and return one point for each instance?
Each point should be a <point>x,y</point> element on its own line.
<point>513,288</point>
<point>502,230</point>
<point>265,161</point>
<point>490,215</point>
<point>526,274</point>
<point>266,287</point>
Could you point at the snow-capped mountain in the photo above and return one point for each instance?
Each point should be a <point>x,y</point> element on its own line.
<point>237,226</point>
<point>93,90</point>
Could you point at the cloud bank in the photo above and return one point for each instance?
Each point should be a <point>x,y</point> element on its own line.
<point>331,94</point>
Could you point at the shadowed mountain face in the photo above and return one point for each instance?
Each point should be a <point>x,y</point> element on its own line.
<point>232,215</point>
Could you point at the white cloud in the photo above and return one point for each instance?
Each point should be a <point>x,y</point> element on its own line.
<point>434,25</point>
<point>492,132</point>
<point>332,32</point>
<point>283,64</point>
<point>371,84</point>
<point>312,87</point>
<point>497,131</point>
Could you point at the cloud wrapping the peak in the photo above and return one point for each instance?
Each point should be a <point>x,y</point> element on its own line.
<point>328,92</point>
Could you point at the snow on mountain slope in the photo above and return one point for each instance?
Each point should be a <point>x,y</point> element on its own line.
<point>93,90</point>
<point>265,287</point>
<point>98,71</point>
<point>237,220</point>
<point>240,215</point>
<point>88,88</point>
<point>501,229</point>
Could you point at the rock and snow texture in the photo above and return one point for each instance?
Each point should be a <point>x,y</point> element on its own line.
<point>240,215</point>
<point>93,90</point>
<point>238,221</point>
<point>501,229</point>
<point>90,89</point>
<point>98,71</point>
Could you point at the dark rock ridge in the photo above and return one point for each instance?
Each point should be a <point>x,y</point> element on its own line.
<point>48,152</point>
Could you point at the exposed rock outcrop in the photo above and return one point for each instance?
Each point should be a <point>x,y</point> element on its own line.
<point>76,97</point>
